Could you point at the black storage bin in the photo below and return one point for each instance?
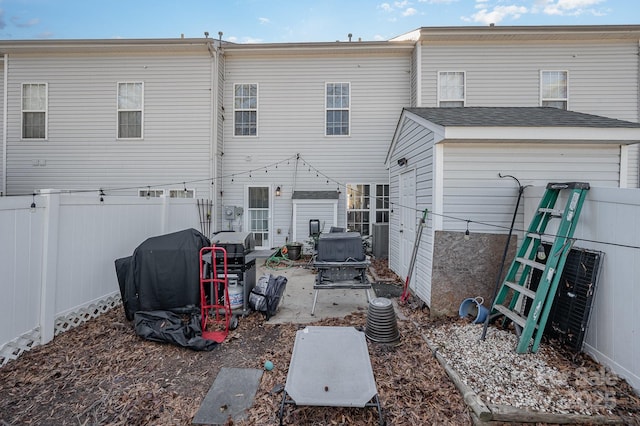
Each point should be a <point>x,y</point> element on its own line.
<point>340,247</point>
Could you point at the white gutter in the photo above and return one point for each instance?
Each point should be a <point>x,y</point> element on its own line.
<point>5,103</point>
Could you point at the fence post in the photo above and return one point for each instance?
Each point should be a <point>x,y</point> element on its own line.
<point>164,215</point>
<point>49,264</point>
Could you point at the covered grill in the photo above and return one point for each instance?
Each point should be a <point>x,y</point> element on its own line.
<point>341,263</point>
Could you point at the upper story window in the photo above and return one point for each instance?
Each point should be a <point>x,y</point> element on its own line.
<point>34,110</point>
<point>245,106</point>
<point>338,101</point>
<point>130,103</point>
<point>451,88</point>
<point>553,89</point>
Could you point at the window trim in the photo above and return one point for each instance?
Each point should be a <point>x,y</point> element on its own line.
<point>372,210</point>
<point>327,109</point>
<point>118,110</point>
<point>46,110</point>
<point>162,193</point>
<point>566,99</point>
<point>440,99</point>
<point>257,110</point>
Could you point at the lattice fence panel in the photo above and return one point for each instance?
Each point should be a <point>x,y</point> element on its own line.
<point>15,348</point>
<point>94,310</point>
<point>31,339</point>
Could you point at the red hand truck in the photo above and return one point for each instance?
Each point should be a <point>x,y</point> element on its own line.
<point>215,307</point>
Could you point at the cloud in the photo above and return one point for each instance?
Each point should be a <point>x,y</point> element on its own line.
<point>251,40</point>
<point>401,4</point>
<point>439,1</point>
<point>410,11</point>
<point>15,20</point>
<point>378,37</point>
<point>569,7</point>
<point>386,7</point>
<point>264,20</point>
<point>499,13</point>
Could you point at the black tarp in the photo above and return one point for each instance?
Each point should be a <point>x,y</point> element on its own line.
<point>162,274</point>
<point>165,326</point>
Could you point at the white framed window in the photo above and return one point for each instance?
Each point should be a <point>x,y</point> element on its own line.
<point>173,193</point>
<point>361,211</point>
<point>245,109</point>
<point>451,88</point>
<point>182,193</point>
<point>130,110</point>
<point>337,106</point>
<point>554,89</point>
<point>150,193</point>
<point>34,110</point>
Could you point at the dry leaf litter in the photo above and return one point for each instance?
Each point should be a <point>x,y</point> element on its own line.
<point>102,373</point>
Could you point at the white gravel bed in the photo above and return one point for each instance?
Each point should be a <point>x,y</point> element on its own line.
<point>540,381</point>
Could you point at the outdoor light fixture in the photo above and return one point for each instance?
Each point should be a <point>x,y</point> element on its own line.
<point>541,255</point>
<point>402,161</point>
<point>466,233</point>
<point>33,203</point>
<point>277,191</point>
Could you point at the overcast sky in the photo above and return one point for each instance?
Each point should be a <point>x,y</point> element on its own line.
<point>264,21</point>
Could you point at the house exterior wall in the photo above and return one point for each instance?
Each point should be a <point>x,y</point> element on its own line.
<point>82,151</point>
<point>603,76</point>
<point>291,121</point>
<point>416,143</point>
<point>473,190</point>
<point>3,158</point>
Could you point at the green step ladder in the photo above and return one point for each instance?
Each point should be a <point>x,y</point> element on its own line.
<point>518,276</point>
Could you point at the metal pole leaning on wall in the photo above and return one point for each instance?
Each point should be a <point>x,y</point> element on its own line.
<point>504,254</point>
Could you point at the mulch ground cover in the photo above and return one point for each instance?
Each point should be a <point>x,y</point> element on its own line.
<point>103,373</point>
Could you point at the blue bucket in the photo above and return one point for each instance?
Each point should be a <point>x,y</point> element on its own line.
<point>473,309</point>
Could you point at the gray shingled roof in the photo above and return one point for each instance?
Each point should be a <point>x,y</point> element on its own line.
<point>516,117</point>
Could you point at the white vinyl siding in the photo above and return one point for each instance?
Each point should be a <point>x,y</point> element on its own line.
<point>473,191</point>
<point>416,143</point>
<point>604,75</point>
<point>554,89</point>
<point>451,88</point>
<point>34,110</point>
<point>245,110</point>
<point>82,150</point>
<point>379,90</point>
<point>130,110</point>
<point>338,113</point>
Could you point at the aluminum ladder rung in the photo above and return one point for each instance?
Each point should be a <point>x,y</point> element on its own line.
<point>532,263</point>
<point>552,212</point>
<point>513,316</point>
<point>520,289</point>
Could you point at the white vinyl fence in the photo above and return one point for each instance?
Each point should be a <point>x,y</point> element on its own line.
<point>610,221</point>
<point>57,259</point>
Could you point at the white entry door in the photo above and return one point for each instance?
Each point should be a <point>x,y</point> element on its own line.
<point>259,215</point>
<point>408,218</point>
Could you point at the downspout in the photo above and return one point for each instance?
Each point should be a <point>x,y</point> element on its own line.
<point>213,121</point>
<point>419,74</point>
<point>5,102</point>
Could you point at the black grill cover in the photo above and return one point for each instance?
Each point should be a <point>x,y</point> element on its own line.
<point>340,247</point>
<point>162,274</point>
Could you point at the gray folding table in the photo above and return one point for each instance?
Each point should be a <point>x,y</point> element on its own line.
<point>330,366</point>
